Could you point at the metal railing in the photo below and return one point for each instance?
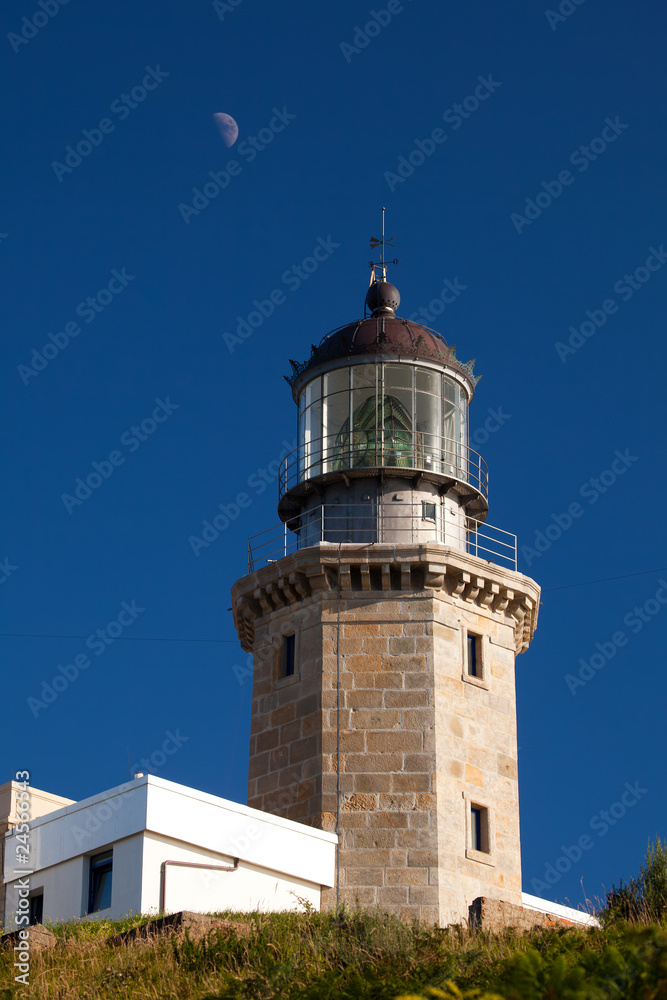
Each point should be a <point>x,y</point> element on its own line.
<point>382,449</point>
<point>370,523</point>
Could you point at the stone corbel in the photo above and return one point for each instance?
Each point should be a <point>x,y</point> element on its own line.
<point>386,577</point>
<point>300,583</point>
<point>288,590</point>
<point>246,636</point>
<point>519,615</point>
<point>264,600</point>
<point>405,576</point>
<point>503,600</point>
<point>434,576</point>
<point>319,576</point>
<point>365,576</point>
<point>249,608</point>
<point>276,594</point>
<point>489,595</point>
<point>459,585</point>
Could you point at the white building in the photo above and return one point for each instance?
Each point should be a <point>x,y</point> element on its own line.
<point>152,845</point>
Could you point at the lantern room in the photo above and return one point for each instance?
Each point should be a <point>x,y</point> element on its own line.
<point>382,450</point>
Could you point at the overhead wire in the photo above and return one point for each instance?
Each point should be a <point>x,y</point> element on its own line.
<point>158,638</point>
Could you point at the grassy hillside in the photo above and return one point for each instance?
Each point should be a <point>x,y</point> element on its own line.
<point>315,956</point>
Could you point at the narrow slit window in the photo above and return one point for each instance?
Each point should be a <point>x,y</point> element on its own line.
<point>476,828</point>
<point>479,828</point>
<point>288,651</point>
<point>473,655</point>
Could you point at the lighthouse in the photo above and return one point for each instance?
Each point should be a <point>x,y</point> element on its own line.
<point>384,615</point>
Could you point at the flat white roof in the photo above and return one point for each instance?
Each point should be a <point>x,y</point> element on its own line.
<point>185,814</point>
<point>558,910</point>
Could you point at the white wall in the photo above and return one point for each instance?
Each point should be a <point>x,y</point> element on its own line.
<point>230,829</point>
<point>250,887</point>
<point>126,878</point>
<point>65,886</point>
<point>150,820</point>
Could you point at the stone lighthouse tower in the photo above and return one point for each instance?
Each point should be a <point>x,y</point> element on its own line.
<point>384,617</point>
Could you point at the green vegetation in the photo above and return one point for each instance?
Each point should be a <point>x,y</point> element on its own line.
<point>645,897</point>
<point>363,955</point>
<point>350,955</point>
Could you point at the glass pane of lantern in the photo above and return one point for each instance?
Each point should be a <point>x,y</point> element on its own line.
<point>365,417</point>
<point>336,381</point>
<point>450,449</point>
<point>397,376</point>
<point>397,416</point>
<point>313,438</point>
<point>336,411</point>
<point>427,431</point>
<point>427,381</point>
<point>337,426</point>
<point>365,427</point>
<point>363,376</point>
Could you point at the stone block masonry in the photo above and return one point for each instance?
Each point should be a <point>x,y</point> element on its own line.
<point>381,732</point>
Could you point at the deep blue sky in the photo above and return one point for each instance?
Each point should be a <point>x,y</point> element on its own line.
<point>323,176</point>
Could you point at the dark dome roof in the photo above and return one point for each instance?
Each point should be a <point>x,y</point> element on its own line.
<point>384,334</point>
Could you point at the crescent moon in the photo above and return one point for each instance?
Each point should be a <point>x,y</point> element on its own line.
<point>227,128</point>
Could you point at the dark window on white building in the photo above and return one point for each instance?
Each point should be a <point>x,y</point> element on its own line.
<point>99,884</point>
<point>36,908</point>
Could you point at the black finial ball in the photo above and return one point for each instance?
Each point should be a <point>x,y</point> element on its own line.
<point>383,295</point>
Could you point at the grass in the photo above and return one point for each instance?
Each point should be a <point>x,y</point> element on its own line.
<point>346,955</point>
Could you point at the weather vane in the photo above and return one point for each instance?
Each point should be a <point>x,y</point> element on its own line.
<point>382,264</point>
